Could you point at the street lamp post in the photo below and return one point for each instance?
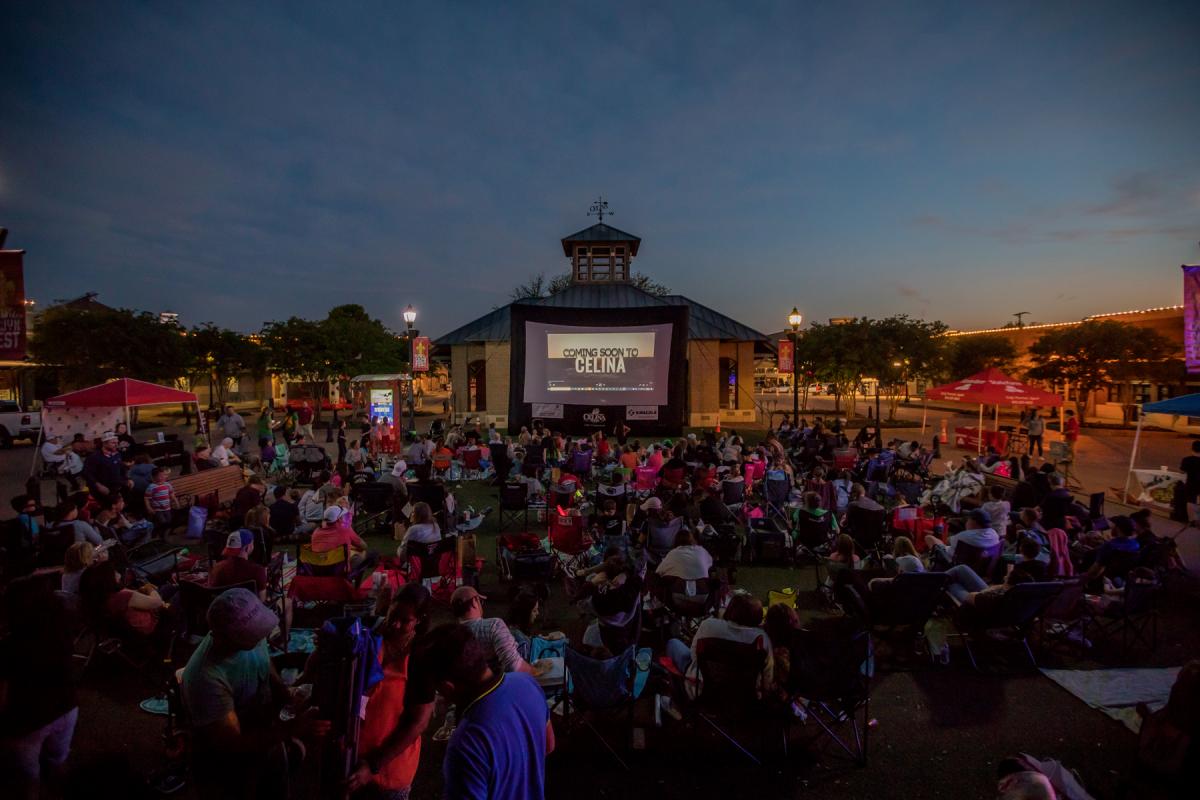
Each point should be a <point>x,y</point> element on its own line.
<point>794,320</point>
<point>410,316</point>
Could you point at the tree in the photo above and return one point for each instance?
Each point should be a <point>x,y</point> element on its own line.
<point>532,289</point>
<point>346,343</point>
<point>968,355</point>
<point>900,348</point>
<point>220,355</point>
<point>359,344</point>
<point>834,355</point>
<point>1096,355</point>
<point>86,346</point>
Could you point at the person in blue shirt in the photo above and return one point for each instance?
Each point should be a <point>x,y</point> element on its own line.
<point>498,750</point>
<point>1107,562</point>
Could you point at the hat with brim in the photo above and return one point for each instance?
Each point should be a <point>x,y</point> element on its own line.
<point>651,503</point>
<point>236,542</point>
<point>239,618</point>
<point>332,514</point>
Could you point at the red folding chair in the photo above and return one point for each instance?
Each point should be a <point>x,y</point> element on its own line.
<point>567,534</point>
<point>845,459</point>
<point>646,479</point>
<point>471,462</point>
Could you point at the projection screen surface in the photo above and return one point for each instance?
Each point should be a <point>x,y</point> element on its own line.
<point>627,365</point>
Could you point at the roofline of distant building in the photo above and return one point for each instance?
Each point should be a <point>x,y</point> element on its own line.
<point>1045,325</point>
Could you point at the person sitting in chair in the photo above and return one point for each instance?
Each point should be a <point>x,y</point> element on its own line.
<point>424,530</point>
<point>687,560</point>
<point>740,623</point>
<point>331,535</point>
<point>978,533</point>
<point>499,647</point>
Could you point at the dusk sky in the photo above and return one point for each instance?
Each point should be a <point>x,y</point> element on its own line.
<point>244,162</point>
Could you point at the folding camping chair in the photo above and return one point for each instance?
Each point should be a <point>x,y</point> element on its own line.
<point>645,480</point>
<point>767,541</point>
<point>1066,619</point>
<point>733,493</point>
<point>904,604</point>
<point>729,689</point>
<point>521,557</point>
<point>197,597</point>
<point>834,676</point>
<point>866,526</point>
<point>1133,619</point>
<point>324,577</point>
<point>616,492</point>
<point>472,459</point>
<point>595,686</point>
<point>569,545</point>
<point>374,506</point>
<point>845,458</point>
<point>777,490</point>
<point>1016,613</point>
<point>435,565</point>
<point>984,561</point>
<point>661,538</point>
<point>514,504</point>
<point>280,464</point>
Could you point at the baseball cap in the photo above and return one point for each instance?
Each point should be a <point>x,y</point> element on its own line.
<point>460,601</point>
<point>981,517</point>
<point>239,617</point>
<point>651,503</point>
<point>107,435</point>
<point>236,542</point>
<point>332,514</point>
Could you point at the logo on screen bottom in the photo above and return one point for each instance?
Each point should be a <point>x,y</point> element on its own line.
<point>633,413</point>
<point>595,417</point>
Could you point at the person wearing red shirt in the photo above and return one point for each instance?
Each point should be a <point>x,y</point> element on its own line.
<point>1071,433</point>
<point>331,536</point>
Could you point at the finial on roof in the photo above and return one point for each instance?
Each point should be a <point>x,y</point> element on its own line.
<point>599,209</point>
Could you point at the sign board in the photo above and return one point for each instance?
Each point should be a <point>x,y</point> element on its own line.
<point>547,410</point>
<point>787,357</point>
<point>12,305</point>
<point>420,354</point>
<point>1191,317</point>
<point>633,413</point>
<point>381,404</point>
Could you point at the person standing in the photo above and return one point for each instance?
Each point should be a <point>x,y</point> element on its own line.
<point>232,426</point>
<point>305,419</point>
<point>104,470</point>
<point>1036,426</point>
<point>498,751</point>
<point>1071,434</point>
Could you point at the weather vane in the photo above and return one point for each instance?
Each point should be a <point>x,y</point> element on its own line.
<point>599,209</point>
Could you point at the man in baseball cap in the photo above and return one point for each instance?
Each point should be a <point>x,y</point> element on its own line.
<point>334,534</point>
<point>651,504</point>
<point>235,566</point>
<point>466,604</point>
<point>229,688</point>
<point>979,533</point>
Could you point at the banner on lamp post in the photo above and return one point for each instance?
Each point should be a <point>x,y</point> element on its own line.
<point>787,356</point>
<point>1191,317</point>
<point>420,354</point>
<point>12,305</point>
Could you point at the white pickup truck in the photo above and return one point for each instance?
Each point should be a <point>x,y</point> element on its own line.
<point>17,424</point>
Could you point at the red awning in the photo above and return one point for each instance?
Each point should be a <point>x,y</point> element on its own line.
<point>992,387</point>
<point>122,392</point>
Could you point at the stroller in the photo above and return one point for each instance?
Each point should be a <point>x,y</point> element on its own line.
<point>307,460</point>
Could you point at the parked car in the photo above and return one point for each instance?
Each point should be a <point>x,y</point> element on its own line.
<point>18,424</point>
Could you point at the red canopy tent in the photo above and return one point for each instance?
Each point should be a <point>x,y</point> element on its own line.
<point>990,387</point>
<point>97,409</point>
<point>124,392</point>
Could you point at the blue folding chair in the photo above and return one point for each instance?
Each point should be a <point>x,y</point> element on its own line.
<point>596,686</point>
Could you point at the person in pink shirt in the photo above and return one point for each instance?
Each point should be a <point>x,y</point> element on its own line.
<point>331,536</point>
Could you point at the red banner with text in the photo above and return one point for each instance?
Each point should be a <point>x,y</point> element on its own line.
<point>12,305</point>
<point>787,356</point>
<point>420,354</point>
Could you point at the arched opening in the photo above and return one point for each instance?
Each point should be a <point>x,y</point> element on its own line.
<point>477,385</point>
<point>728,383</point>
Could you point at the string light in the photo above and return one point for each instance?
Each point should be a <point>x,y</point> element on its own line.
<point>1044,325</point>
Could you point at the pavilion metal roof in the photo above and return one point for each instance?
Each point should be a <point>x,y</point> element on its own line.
<point>703,322</point>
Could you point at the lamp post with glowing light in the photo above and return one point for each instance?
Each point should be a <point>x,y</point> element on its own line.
<point>410,316</point>
<point>794,320</point>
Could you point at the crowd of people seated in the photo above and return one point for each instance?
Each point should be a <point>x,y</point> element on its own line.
<point>666,522</point>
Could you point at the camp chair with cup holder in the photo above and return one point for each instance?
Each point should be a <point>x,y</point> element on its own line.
<point>514,505</point>
<point>1014,615</point>
<point>832,674</point>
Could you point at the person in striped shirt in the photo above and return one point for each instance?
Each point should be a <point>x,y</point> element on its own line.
<point>160,501</point>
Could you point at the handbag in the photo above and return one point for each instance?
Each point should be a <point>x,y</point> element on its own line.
<point>197,520</point>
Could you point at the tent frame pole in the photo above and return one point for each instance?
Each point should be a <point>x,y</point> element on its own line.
<point>1137,434</point>
<point>924,415</point>
<point>979,438</point>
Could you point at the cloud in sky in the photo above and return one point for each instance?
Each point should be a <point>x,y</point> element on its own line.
<point>240,162</point>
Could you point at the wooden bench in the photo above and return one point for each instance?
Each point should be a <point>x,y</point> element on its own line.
<point>225,481</point>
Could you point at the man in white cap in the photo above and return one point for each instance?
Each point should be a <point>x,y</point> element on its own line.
<point>332,535</point>
<point>54,455</point>
<point>103,470</point>
<point>233,695</point>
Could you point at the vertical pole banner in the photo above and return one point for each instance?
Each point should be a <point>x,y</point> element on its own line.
<point>420,354</point>
<point>1191,317</point>
<point>786,357</point>
<point>12,305</point>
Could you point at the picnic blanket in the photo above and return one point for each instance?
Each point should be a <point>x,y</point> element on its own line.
<point>1116,692</point>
